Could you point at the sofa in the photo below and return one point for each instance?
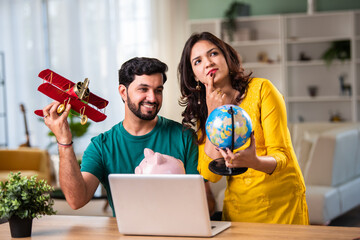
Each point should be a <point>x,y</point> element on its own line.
<point>29,161</point>
<point>329,157</point>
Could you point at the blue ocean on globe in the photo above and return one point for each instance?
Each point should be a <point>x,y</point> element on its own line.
<point>219,126</point>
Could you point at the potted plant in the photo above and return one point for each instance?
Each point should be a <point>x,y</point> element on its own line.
<point>235,9</point>
<point>338,50</point>
<point>21,200</point>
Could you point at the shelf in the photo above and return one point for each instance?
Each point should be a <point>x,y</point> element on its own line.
<point>319,99</point>
<point>261,65</point>
<point>298,16</point>
<point>294,40</point>
<point>265,18</point>
<point>256,42</point>
<point>315,63</point>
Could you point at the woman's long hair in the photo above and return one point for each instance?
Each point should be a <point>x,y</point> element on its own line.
<point>195,113</point>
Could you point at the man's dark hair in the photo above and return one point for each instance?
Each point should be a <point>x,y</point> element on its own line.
<point>140,66</point>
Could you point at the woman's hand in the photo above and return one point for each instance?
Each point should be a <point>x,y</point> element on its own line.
<point>248,158</point>
<point>58,124</point>
<point>214,96</point>
<point>242,158</point>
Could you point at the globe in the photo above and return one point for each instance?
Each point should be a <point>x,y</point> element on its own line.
<point>219,126</point>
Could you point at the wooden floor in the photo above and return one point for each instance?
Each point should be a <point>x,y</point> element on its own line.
<point>350,219</point>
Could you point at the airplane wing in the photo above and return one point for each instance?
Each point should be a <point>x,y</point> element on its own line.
<point>97,101</point>
<point>64,84</point>
<point>56,79</point>
<point>76,104</point>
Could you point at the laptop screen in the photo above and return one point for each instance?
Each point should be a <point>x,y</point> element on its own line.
<point>164,204</point>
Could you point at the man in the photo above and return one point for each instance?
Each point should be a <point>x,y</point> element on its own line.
<point>120,149</point>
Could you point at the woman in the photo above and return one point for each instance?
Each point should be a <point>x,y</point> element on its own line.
<point>272,190</point>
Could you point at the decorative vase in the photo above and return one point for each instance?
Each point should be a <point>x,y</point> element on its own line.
<point>20,227</point>
<point>311,6</point>
<point>313,91</point>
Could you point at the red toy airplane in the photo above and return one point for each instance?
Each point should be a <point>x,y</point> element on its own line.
<point>78,95</point>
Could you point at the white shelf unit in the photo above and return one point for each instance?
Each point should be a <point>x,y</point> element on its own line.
<point>356,51</point>
<point>312,35</point>
<point>283,38</point>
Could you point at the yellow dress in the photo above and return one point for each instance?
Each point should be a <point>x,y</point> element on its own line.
<point>257,196</point>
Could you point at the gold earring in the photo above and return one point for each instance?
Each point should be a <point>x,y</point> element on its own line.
<point>198,87</point>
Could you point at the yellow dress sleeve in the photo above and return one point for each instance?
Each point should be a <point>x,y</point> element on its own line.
<point>203,166</point>
<point>274,124</point>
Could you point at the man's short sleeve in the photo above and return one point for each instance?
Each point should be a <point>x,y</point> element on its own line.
<point>192,153</point>
<point>92,159</point>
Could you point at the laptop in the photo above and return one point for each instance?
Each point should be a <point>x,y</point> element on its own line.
<point>162,205</point>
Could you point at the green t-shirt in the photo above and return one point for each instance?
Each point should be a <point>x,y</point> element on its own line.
<point>117,151</point>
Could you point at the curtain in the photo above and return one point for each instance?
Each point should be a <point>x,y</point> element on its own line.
<point>84,39</point>
<point>22,41</point>
<point>170,34</point>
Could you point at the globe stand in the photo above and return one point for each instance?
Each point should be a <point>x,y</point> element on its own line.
<point>218,166</point>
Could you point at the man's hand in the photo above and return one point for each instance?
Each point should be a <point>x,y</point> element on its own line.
<point>58,124</point>
<point>77,187</point>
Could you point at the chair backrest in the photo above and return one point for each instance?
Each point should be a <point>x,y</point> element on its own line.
<point>23,159</point>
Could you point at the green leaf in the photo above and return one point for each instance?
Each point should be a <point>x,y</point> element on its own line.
<point>25,197</point>
<point>337,50</point>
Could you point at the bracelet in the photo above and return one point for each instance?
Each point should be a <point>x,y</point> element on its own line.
<point>65,145</point>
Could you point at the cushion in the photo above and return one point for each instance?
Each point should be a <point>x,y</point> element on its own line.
<point>305,147</point>
<point>323,204</point>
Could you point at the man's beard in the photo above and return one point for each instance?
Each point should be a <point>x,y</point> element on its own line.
<point>139,114</point>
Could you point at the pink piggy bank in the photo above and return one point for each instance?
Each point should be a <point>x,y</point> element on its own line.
<point>157,163</point>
